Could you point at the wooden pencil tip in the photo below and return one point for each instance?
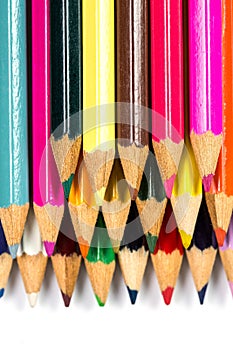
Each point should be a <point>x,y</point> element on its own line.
<point>201,294</point>
<point>186,239</point>
<point>2,290</point>
<point>151,242</point>
<point>84,248</point>
<point>133,295</point>
<point>13,249</point>
<point>32,299</point>
<point>168,185</point>
<point>99,196</point>
<point>167,295</point>
<point>231,287</point>
<point>206,180</point>
<point>220,235</point>
<point>49,247</point>
<point>66,299</point>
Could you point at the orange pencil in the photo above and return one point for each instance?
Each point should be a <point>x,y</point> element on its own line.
<point>220,197</point>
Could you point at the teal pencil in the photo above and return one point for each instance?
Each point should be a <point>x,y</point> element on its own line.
<point>14,199</point>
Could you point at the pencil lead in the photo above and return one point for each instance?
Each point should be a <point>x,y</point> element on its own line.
<point>2,290</point>
<point>66,299</point>
<point>201,294</point>
<point>186,239</point>
<point>167,295</point>
<point>206,180</point>
<point>133,295</point>
<point>32,299</point>
<point>99,196</point>
<point>13,250</point>
<point>220,236</point>
<point>231,287</point>
<point>151,242</point>
<point>133,193</point>
<point>168,185</point>
<point>49,247</point>
<point>67,186</point>
<point>100,302</point>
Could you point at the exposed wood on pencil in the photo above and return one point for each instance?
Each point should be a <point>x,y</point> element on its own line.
<point>100,261</point>
<point>202,251</point>
<point>116,205</point>
<point>151,201</point>
<point>5,262</point>
<point>133,253</point>
<point>168,255</point>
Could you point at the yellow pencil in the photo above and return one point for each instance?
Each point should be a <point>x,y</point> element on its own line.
<point>187,195</point>
<point>98,92</point>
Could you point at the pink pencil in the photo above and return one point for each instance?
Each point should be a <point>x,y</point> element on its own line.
<point>167,87</point>
<point>205,71</point>
<point>48,197</point>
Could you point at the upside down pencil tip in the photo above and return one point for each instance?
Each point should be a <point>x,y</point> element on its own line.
<point>206,180</point>
<point>220,236</point>
<point>66,299</point>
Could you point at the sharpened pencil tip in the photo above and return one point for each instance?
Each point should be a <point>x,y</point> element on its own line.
<point>2,290</point>
<point>168,185</point>
<point>133,193</point>
<point>49,247</point>
<point>206,180</point>
<point>99,196</point>
<point>201,294</point>
<point>133,295</point>
<point>13,250</point>
<point>220,236</point>
<point>186,239</point>
<point>66,299</point>
<point>32,299</point>
<point>167,295</point>
<point>151,242</point>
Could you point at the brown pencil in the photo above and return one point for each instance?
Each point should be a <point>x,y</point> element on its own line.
<point>132,89</point>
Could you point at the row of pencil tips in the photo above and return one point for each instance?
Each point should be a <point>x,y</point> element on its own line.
<point>165,250</point>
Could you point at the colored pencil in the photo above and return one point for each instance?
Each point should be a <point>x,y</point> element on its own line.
<point>167,87</point>
<point>48,197</point>
<point>151,201</point>
<point>116,205</point>
<point>32,259</point>
<point>66,259</point>
<point>83,208</point>
<point>205,85</point>
<point>187,190</point>
<point>132,88</point>
<point>5,262</point>
<point>220,197</point>
<point>168,255</point>
<point>66,86</point>
<point>226,254</point>
<point>133,253</point>
<point>98,92</point>
<point>202,251</point>
<point>14,199</point>
<point>100,261</point>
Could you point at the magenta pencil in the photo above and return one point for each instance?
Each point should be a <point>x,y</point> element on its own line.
<point>167,88</point>
<point>205,71</point>
<point>48,197</point>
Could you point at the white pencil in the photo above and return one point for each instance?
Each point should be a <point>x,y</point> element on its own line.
<point>32,259</point>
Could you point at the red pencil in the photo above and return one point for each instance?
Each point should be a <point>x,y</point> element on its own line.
<point>167,87</point>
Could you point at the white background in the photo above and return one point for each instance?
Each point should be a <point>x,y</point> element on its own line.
<point>149,324</point>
